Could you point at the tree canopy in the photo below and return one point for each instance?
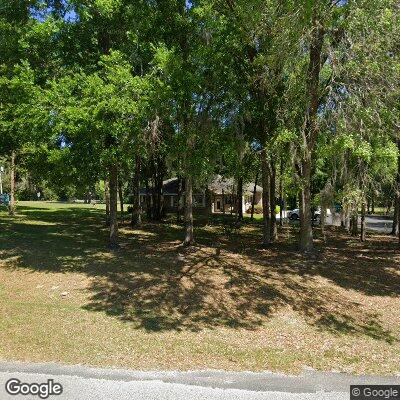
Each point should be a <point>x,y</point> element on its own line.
<point>105,97</point>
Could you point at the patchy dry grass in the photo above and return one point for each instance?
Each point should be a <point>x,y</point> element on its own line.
<point>227,303</point>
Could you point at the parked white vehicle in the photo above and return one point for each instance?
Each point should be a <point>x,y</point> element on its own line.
<point>294,215</point>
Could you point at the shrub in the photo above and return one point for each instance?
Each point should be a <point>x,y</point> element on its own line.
<point>258,209</point>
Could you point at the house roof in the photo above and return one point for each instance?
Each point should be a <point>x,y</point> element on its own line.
<point>217,185</point>
<point>229,186</point>
<point>170,187</point>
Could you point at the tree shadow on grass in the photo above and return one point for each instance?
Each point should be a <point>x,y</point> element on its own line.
<point>201,290</point>
<point>172,288</point>
<point>227,280</point>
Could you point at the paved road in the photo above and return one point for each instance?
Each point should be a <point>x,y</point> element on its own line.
<point>377,223</point>
<point>82,383</point>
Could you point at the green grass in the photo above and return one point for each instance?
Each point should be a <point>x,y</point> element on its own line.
<point>257,217</point>
<point>227,303</point>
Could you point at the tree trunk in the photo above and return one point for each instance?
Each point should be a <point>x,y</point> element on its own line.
<point>239,199</point>
<point>345,218</point>
<point>253,200</point>
<point>310,131</point>
<point>272,193</point>
<point>312,214</point>
<point>113,176</point>
<point>232,201</point>
<point>306,232</point>
<point>323,221</point>
<point>121,199</point>
<point>347,221</point>
<point>148,201</point>
<point>107,200</point>
<point>395,224</point>
<point>354,222</point>
<point>136,211</point>
<point>11,209</point>
<point>398,185</point>
<point>398,222</point>
<point>207,195</point>
<point>1,181</point>
<point>266,199</point>
<point>189,237</point>
<point>363,233</point>
<point>281,205</point>
<point>284,213</point>
<point>223,201</point>
<point>354,225</point>
<point>157,198</point>
<point>179,205</point>
<point>388,208</point>
<point>373,204</point>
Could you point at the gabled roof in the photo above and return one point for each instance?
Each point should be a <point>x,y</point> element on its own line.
<point>218,184</point>
<point>170,187</point>
<point>229,186</point>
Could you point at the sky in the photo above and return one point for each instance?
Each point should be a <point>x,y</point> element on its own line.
<point>71,15</point>
<point>41,15</point>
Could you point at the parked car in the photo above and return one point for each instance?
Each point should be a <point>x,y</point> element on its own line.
<point>294,215</point>
<point>317,215</point>
<point>5,199</point>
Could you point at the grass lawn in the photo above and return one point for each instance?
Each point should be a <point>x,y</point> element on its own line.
<point>225,304</point>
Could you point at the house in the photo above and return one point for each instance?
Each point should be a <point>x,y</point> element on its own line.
<point>224,194</point>
<point>218,197</point>
<point>172,195</point>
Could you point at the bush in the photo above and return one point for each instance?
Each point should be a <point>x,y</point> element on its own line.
<point>258,209</point>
